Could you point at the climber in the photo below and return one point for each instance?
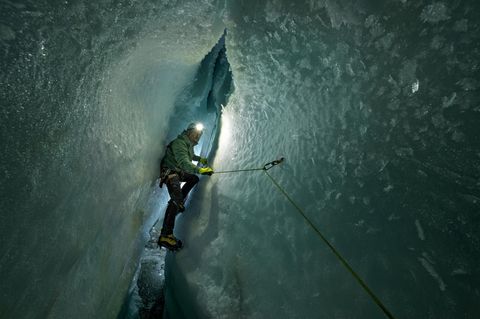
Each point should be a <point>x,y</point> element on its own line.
<point>177,167</point>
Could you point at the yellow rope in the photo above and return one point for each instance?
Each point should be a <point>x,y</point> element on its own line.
<point>342,260</point>
<point>317,231</point>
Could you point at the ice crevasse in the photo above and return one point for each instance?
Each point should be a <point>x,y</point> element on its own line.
<point>373,104</point>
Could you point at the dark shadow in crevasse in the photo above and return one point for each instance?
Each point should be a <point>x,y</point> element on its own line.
<point>203,100</point>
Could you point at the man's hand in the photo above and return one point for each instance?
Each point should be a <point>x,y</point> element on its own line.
<point>206,171</point>
<point>203,161</point>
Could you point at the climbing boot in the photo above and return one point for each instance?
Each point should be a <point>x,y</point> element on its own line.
<point>170,242</point>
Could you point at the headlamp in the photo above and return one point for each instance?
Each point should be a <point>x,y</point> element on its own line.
<point>199,127</point>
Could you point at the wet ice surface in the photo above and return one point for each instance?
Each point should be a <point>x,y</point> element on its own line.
<point>88,90</point>
<point>374,106</point>
<point>147,298</point>
<point>364,104</point>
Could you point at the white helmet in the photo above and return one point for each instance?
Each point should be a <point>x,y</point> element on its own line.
<point>195,126</point>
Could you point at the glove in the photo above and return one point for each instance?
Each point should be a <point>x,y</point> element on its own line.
<point>203,161</point>
<point>206,171</point>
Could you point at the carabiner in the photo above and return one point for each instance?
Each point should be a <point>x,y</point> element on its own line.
<point>268,166</point>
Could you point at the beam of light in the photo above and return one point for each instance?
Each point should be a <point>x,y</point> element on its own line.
<point>199,127</point>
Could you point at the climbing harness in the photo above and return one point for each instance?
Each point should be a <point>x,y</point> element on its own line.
<point>342,260</point>
<point>166,175</point>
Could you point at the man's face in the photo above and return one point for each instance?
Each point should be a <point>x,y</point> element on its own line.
<point>194,136</point>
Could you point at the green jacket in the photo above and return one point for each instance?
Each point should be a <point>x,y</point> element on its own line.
<point>179,155</point>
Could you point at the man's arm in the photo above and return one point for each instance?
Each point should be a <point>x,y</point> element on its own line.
<point>201,160</point>
<point>180,151</point>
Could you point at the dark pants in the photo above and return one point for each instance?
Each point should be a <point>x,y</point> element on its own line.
<point>178,195</point>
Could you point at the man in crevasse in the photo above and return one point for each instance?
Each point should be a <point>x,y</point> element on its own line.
<point>177,167</point>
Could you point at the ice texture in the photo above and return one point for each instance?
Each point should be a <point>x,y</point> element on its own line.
<point>435,12</point>
<point>88,92</point>
<point>374,105</point>
<point>378,148</point>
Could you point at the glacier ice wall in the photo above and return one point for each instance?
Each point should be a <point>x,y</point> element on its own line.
<point>374,104</point>
<point>87,94</point>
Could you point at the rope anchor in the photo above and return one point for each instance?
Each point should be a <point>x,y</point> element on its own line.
<point>268,166</point>
<point>265,167</point>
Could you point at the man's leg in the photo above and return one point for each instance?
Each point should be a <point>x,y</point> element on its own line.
<point>176,199</point>
<point>190,181</point>
<point>169,220</point>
